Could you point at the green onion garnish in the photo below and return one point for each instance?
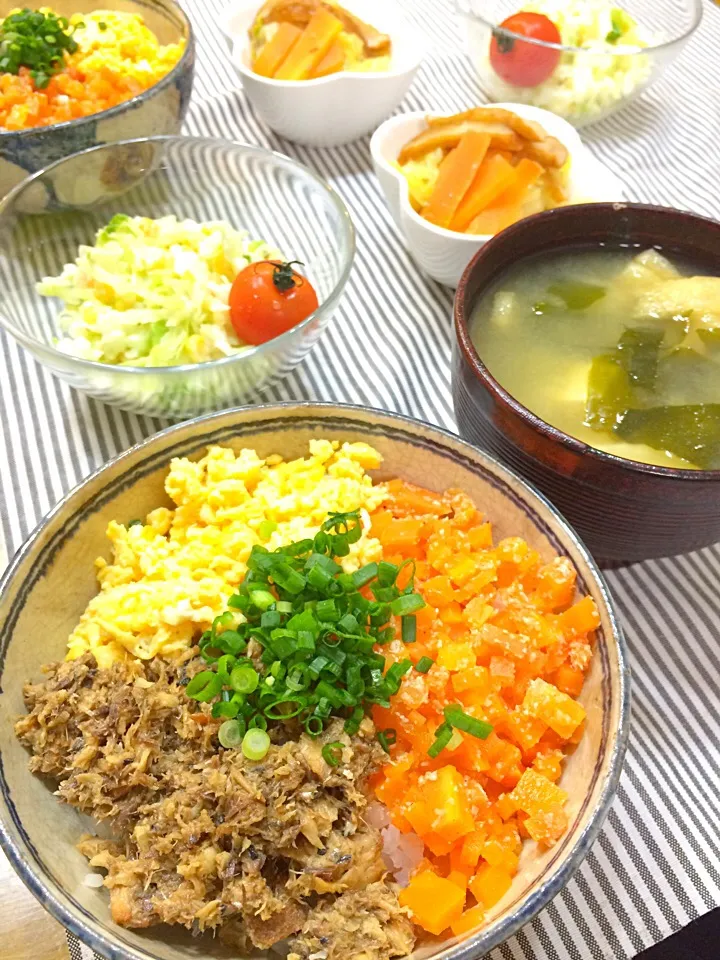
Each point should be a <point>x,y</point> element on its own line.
<point>231,734</point>
<point>409,629</point>
<point>255,744</point>
<point>316,632</point>
<point>386,738</point>
<point>424,664</point>
<point>443,736</point>
<point>332,753</point>
<point>457,718</point>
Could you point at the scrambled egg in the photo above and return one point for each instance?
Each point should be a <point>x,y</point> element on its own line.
<point>171,576</point>
<point>121,44</point>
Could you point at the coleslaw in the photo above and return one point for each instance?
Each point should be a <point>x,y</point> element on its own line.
<point>153,293</point>
<point>583,87</point>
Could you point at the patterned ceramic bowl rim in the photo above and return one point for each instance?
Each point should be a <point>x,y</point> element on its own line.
<point>216,428</point>
<point>462,310</point>
<point>178,369</point>
<point>168,6</point>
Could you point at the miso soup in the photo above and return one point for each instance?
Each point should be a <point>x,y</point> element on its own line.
<point>617,348</point>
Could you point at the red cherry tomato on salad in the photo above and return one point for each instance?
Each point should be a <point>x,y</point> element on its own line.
<point>525,64</point>
<point>268,298</point>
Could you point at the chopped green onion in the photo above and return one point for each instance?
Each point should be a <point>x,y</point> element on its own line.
<point>255,744</point>
<point>204,686</point>
<point>364,575</point>
<point>262,599</point>
<point>443,736</point>
<point>387,573</point>
<point>456,717</point>
<point>424,664</point>
<point>231,734</point>
<point>314,726</point>
<point>409,628</point>
<point>244,679</point>
<point>332,753</point>
<point>407,603</point>
<point>386,738</point>
<point>316,635</point>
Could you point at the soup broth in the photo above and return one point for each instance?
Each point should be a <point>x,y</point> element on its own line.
<point>618,348</point>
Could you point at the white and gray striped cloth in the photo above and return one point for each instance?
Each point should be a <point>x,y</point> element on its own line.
<point>656,865</point>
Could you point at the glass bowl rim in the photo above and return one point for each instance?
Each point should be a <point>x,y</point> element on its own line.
<point>329,192</point>
<point>188,55</point>
<point>496,29</point>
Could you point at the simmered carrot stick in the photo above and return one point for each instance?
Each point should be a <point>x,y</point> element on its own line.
<point>332,62</point>
<point>507,207</point>
<point>494,176</point>
<point>455,176</point>
<point>316,40</point>
<point>277,49</point>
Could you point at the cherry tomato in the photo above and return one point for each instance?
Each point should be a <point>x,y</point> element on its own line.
<point>525,64</point>
<point>268,298</point>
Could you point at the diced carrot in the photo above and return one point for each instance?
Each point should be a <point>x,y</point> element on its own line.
<point>490,885</point>
<point>547,826</point>
<point>311,47</point>
<point>332,62</point>
<point>580,618</point>
<point>555,585</point>
<point>276,49</point>
<point>535,793</point>
<point>494,176</point>
<point>475,679</point>
<point>459,878</point>
<point>463,569</point>
<point>504,639</point>
<point>469,920</point>
<point>402,533</point>
<point>456,656</point>
<point>569,680</point>
<point>438,591</point>
<point>434,901</point>
<point>407,499</point>
<point>455,176</point>
<point>480,536</point>
<point>446,797</point>
<point>548,763</point>
<point>556,709</point>
<point>471,849</point>
<point>507,207</point>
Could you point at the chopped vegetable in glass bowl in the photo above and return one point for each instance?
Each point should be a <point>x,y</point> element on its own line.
<point>153,293</point>
<point>580,59</point>
<point>117,274</point>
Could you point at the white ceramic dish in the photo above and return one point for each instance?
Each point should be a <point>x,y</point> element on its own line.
<point>444,254</point>
<point>339,108</point>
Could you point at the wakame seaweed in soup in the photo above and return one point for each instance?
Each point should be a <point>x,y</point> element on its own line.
<point>618,348</point>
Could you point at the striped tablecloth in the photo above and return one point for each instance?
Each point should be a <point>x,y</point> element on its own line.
<point>656,864</point>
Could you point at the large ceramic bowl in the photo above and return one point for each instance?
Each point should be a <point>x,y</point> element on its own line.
<point>624,510</point>
<point>52,578</point>
<point>159,110</point>
<point>45,219</point>
<point>587,84</point>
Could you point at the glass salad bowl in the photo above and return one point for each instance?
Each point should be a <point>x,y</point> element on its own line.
<point>603,55</point>
<point>45,219</point>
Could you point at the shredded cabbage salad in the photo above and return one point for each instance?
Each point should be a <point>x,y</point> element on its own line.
<point>154,293</point>
<point>585,88</point>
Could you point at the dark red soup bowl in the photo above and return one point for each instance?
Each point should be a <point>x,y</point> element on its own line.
<point>625,511</point>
